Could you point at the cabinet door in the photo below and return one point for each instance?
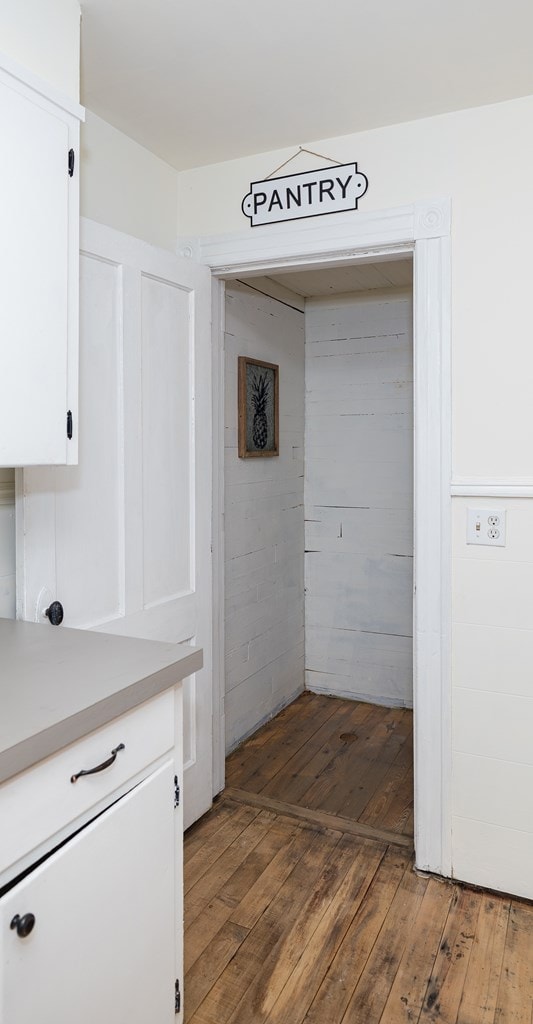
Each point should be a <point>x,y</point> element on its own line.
<point>102,947</point>
<point>38,224</point>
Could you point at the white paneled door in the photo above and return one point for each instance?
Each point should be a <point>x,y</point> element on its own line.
<point>123,540</point>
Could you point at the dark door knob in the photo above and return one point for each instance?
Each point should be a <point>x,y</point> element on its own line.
<point>55,613</point>
<point>24,924</point>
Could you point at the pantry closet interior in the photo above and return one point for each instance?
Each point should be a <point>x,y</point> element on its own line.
<point>319,544</point>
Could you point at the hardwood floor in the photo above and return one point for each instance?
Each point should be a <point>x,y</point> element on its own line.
<point>291,921</point>
<point>338,756</point>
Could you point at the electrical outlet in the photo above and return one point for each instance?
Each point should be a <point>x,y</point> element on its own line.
<point>486,526</point>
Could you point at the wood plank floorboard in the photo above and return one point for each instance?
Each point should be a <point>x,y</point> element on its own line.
<point>302,905</point>
<point>320,818</point>
<point>289,922</point>
<point>338,756</point>
<point>256,761</point>
<point>305,766</point>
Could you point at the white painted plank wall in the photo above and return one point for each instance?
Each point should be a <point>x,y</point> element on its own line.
<point>7,544</point>
<point>264,521</point>
<point>359,497</point>
<point>492,673</point>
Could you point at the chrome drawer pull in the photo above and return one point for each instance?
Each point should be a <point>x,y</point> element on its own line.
<point>99,767</point>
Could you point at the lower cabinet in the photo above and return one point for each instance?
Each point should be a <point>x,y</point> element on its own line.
<point>102,946</point>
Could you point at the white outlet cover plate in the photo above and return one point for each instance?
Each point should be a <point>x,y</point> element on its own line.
<point>486,526</point>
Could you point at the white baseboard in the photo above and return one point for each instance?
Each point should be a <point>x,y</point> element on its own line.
<point>365,698</point>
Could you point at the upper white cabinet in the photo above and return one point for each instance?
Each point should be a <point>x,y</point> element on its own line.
<point>39,256</point>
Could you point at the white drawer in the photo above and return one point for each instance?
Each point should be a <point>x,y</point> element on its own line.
<point>41,801</point>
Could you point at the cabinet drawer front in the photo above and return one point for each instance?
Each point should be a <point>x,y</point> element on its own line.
<point>41,801</point>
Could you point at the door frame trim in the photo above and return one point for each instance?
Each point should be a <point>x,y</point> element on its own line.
<point>424,229</point>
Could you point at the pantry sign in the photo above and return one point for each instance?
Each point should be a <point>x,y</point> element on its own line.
<point>311,194</point>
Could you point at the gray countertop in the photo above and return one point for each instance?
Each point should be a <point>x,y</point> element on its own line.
<point>58,684</point>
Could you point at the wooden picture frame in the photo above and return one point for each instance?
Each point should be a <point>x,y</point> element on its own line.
<point>258,403</point>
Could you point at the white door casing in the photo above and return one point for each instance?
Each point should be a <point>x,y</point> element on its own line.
<point>124,539</point>
<point>424,229</point>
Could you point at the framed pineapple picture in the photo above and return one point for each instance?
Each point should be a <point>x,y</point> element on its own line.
<point>258,408</point>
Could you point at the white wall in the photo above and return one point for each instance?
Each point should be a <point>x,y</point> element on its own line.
<point>44,36</point>
<point>125,186</point>
<point>483,160</point>
<point>359,497</point>
<point>493,701</point>
<point>264,521</point>
<point>121,183</point>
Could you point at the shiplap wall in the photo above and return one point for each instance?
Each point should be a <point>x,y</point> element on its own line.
<point>7,543</point>
<point>264,521</point>
<point>493,701</point>
<point>359,497</point>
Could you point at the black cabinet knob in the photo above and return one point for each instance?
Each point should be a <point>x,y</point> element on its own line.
<point>55,613</point>
<point>24,924</point>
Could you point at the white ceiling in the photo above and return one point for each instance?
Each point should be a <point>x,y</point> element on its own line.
<point>359,277</point>
<point>199,81</point>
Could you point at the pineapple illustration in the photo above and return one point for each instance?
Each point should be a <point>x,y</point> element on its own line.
<point>260,389</point>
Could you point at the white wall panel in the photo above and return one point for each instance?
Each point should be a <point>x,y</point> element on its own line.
<point>491,790</point>
<point>372,594</point>
<point>264,522</point>
<point>493,592</point>
<point>493,702</point>
<point>384,397</point>
<point>332,321</point>
<point>475,713</point>
<point>125,186</point>
<point>492,658</point>
<point>359,497</point>
<point>381,663</point>
<point>364,530</point>
<point>363,484</point>
<point>486,854</point>
<point>262,694</point>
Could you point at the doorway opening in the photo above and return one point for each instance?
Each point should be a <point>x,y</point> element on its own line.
<point>318,559</point>
<point>422,229</point>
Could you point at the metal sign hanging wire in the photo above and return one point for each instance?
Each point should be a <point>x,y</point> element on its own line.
<point>302,149</point>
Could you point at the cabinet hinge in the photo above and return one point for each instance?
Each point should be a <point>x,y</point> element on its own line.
<point>69,425</point>
<point>176,792</point>
<point>177,997</point>
<point>71,159</point>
